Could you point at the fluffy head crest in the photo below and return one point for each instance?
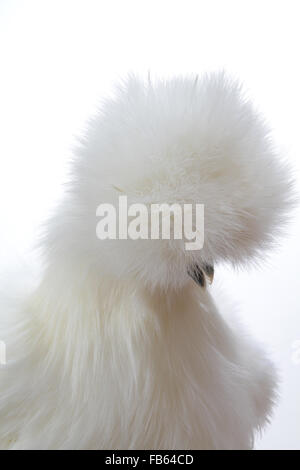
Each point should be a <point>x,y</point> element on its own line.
<point>180,141</point>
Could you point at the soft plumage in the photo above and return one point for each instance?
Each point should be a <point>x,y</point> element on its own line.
<point>114,346</point>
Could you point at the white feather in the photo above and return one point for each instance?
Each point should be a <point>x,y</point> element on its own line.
<point>115,347</point>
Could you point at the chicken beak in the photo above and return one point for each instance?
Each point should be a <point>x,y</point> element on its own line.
<point>209,272</point>
<point>200,274</point>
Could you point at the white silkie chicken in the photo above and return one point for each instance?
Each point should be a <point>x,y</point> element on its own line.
<point>115,346</point>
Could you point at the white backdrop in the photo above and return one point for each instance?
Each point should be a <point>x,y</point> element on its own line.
<point>59,57</point>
